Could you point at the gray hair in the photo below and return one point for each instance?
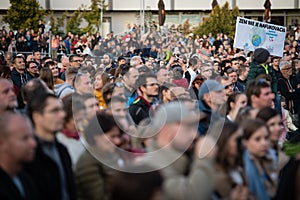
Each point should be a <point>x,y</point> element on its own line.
<point>283,64</point>
<point>135,61</point>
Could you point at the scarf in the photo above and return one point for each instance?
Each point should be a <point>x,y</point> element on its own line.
<point>255,180</point>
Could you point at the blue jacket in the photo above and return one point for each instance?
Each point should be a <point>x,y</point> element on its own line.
<point>209,120</point>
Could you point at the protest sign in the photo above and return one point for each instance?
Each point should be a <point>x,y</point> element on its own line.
<point>251,34</point>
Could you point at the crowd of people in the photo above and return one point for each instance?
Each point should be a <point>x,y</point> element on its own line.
<point>154,116</point>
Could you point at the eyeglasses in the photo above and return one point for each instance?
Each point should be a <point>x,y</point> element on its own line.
<point>228,86</point>
<point>152,84</point>
<point>33,67</point>
<point>207,70</point>
<point>288,68</point>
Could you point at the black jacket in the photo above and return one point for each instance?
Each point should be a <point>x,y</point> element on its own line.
<point>9,191</point>
<point>139,110</point>
<point>45,173</point>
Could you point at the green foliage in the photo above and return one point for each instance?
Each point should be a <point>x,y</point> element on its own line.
<point>92,16</point>
<point>221,20</point>
<point>57,23</point>
<point>74,21</point>
<point>24,14</point>
<point>186,27</point>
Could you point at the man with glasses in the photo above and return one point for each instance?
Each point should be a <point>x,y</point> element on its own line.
<point>32,69</point>
<point>289,87</point>
<point>228,85</point>
<point>75,61</point>
<point>207,71</point>
<point>148,89</point>
<point>236,86</point>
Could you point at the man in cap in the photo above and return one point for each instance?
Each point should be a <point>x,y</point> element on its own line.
<point>211,97</point>
<point>174,131</point>
<point>259,65</point>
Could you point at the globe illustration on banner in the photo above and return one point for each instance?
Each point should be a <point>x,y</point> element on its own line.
<point>257,36</point>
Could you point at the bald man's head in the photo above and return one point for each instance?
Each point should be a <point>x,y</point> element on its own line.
<point>8,98</point>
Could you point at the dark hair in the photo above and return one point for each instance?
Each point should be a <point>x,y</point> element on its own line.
<point>142,79</point>
<point>70,105</point>
<point>49,63</point>
<point>141,185</point>
<point>38,103</point>
<point>230,70</point>
<point>29,62</point>
<point>177,73</point>
<point>33,88</point>
<point>71,72</point>
<point>254,88</point>
<point>108,89</point>
<point>100,124</point>
<point>5,72</point>
<point>266,77</point>
<point>227,129</point>
<point>250,126</point>
<point>232,98</point>
<point>242,68</point>
<point>124,69</point>
<point>47,76</point>
<point>244,114</point>
<point>71,58</point>
<point>267,113</point>
<point>273,58</point>
<point>45,58</point>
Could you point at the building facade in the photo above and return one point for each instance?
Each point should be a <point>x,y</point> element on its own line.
<point>119,13</point>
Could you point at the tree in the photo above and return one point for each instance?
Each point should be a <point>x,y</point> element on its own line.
<point>92,15</point>
<point>24,14</point>
<point>220,20</point>
<point>74,22</point>
<point>57,23</point>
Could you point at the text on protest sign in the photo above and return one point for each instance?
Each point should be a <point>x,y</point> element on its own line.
<point>251,34</point>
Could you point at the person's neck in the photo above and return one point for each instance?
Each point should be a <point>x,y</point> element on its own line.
<point>242,77</point>
<point>275,67</point>
<point>44,135</point>
<point>9,166</point>
<point>148,98</point>
<point>128,87</point>
<point>20,71</point>
<point>285,76</point>
<point>70,81</point>
<point>32,74</point>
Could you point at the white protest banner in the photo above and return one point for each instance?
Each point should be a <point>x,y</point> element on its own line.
<point>251,34</point>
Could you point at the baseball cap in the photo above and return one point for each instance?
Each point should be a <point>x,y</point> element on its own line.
<point>208,86</point>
